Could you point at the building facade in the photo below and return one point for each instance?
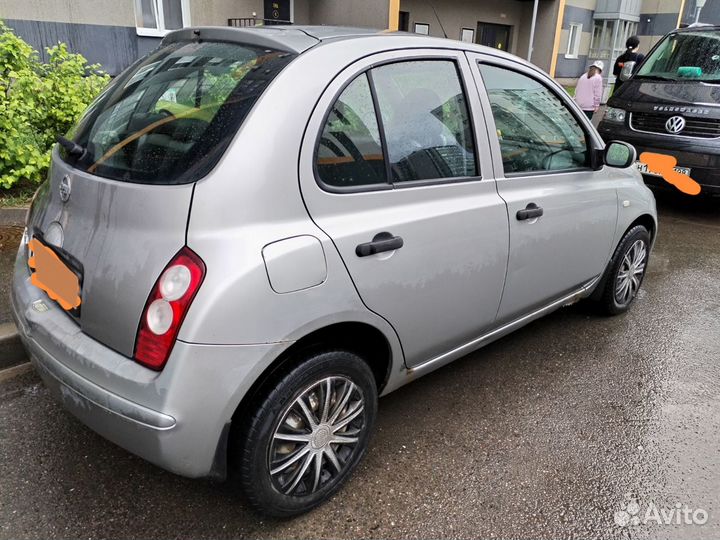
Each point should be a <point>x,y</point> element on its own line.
<point>569,34</point>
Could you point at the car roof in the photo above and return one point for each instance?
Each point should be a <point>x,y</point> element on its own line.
<point>298,39</point>
<point>702,27</point>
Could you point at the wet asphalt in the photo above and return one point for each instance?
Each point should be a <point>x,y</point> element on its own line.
<point>547,433</point>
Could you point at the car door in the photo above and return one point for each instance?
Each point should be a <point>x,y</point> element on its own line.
<point>395,172</point>
<point>562,213</point>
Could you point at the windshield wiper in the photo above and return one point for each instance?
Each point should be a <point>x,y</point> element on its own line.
<point>655,78</point>
<point>73,148</point>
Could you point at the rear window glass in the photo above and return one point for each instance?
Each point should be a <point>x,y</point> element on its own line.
<point>169,117</point>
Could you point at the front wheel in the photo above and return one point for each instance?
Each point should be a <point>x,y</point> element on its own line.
<point>626,271</point>
<point>304,439</point>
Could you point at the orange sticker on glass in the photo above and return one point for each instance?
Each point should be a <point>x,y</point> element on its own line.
<point>53,276</point>
<point>664,165</point>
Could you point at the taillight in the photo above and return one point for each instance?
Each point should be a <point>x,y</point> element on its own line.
<point>166,308</point>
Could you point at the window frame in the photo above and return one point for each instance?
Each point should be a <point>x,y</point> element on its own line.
<point>590,140</point>
<point>573,48</point>
<point>388,185</point>
<point>161,31</point>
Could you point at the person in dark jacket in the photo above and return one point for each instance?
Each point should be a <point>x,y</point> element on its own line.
<point>630,55</point>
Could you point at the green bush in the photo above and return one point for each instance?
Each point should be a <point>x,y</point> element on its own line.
<point>38,102</point>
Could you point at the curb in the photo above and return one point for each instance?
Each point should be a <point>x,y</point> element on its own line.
<point>12,351</point>
<point>12,216</point>
<point>11,373</point>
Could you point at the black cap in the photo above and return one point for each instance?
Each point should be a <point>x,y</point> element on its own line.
<point>632,42</point>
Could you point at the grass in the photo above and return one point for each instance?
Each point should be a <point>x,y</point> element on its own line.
<point>570,90</point>
<point>17,196</point>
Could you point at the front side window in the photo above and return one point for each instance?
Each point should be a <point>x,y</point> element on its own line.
<point>158,17</point>
<point>536,130</point>
<point>685,56</point>
<point>169,118</point>
<point>426,120</point>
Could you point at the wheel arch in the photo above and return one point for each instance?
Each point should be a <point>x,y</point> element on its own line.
<point>647,221</point>
<point>361,338</point>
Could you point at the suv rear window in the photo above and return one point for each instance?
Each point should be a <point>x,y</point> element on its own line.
<point>170,116</point>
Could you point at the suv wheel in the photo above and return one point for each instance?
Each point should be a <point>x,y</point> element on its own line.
<point>307,435</point>
<point>627,270</point>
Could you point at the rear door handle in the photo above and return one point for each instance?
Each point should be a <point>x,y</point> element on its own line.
<point>383,241</point>
<point>531,211</point>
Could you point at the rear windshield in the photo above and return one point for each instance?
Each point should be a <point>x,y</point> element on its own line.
<point>170,116</point>
<point>685,56</point>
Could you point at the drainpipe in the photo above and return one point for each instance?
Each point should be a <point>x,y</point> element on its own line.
<point>532,30</point>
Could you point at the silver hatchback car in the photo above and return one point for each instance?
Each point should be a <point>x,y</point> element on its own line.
<point>252,234</point>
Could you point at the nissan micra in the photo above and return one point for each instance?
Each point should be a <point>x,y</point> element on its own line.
<point>251,234</point>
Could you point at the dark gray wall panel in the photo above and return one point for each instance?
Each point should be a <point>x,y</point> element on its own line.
<point>578,15</point>
<point>659,25</point>
<point>113,47</point>
<point>709,14</point>
<point>570,67</point>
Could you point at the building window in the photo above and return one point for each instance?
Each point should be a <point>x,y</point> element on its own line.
<point>467,35</point>
<point>422,28</point>
<point>158,17</point>
<point>602,44</point>
<point>574,35</point>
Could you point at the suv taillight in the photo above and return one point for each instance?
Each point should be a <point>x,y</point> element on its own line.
<point>166,308</point>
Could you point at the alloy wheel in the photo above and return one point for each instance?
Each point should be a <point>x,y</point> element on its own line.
<point>317,436</point>
<point>630,273</point>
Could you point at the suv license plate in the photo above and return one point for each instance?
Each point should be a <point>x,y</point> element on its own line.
<point>643,168</point>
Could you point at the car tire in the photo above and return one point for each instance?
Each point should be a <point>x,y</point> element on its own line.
<point>295,430</point>
<point>626,272</point>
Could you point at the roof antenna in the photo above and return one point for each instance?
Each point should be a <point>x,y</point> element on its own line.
<point>438,18</point>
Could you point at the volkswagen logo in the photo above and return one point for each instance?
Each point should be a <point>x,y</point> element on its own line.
<point>65,188</point>
<point>675,124</point>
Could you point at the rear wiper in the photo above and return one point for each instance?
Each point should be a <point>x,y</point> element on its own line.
<point>73,148</point>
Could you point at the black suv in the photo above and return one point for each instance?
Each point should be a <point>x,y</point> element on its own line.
<point>672,106</point>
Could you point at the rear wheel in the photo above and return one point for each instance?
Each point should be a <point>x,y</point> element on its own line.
<point>306,436</point>
<point>626,271</point>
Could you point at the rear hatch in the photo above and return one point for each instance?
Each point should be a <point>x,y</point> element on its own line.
<point>117,200</point>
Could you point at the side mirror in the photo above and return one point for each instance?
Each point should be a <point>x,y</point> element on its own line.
<point>619,154</point>
<point>627,71</point>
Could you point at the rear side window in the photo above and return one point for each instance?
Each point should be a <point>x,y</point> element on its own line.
<point>169,118</point>
<point>350,153</point>
<point>426,120</point>
<point>423,131</point>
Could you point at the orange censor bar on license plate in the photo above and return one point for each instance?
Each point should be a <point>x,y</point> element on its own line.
<point>53,276</point>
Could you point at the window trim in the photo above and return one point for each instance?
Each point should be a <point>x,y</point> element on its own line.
<point>388,185</point>
<point>493,138</point>
<point>574,51</point>
<point>161,31</point>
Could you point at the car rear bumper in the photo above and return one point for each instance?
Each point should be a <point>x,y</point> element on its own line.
<point>177,419</point>
<point>702,156</point>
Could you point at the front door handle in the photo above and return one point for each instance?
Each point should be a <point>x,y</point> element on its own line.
<point>383,241</point>
<point>531,211</point>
